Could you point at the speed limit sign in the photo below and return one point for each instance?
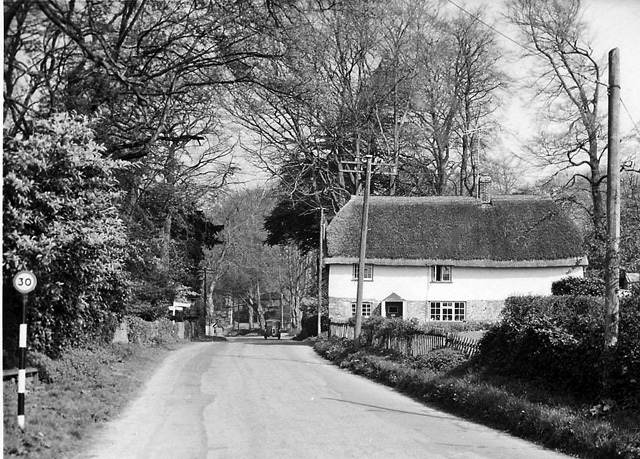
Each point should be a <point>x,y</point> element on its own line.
<point>24,281</point>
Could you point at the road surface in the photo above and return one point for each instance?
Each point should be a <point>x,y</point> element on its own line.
<point>256,398</point>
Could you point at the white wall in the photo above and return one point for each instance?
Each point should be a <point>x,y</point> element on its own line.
<point>409,282</point>
<point>413,283</point>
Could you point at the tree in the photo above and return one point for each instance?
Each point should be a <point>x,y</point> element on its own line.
<point>368,78</point>
<point>151,71</point>
<point>568,84</point>
<point>60,221</point>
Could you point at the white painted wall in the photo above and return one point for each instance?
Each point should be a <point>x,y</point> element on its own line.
<point>413,283</point>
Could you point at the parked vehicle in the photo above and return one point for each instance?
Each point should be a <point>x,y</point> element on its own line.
<point>272,328</point>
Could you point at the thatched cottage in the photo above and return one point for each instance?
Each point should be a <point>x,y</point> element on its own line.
<point>449,258</point>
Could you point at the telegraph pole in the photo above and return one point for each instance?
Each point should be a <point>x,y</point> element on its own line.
<point>320,256</point>
<point>612,271</point>
<point>363,249</point>
<point>386,169</point>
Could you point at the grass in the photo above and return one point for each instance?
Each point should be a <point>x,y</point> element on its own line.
<point>85,389</point>
<point>553,420</point>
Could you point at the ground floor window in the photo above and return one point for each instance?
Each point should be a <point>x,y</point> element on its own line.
<point>366,309</point>
<point>453,311</point>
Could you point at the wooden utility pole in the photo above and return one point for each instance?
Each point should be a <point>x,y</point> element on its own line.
<point>386,169</point>
<point>320,261</point>
<point>363,249</point>
<point>612,269</point>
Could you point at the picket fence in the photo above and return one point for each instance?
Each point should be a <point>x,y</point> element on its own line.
<point>412,345</point>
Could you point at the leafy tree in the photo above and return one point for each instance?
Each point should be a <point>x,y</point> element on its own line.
<point>60,221</point>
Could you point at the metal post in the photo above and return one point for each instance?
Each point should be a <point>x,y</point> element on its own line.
<point>22,363</point>
<point>24,282</point>
<point>612,271</point>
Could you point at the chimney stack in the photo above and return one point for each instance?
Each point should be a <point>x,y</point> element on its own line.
<point>484,189</point>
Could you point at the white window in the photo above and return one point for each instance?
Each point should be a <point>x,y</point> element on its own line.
<point>440,273</point>
<point>368,272</point>
<point>366,309</point>
<point>449,311</point>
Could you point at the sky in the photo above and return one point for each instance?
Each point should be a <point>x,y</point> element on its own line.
<point>611,24</point>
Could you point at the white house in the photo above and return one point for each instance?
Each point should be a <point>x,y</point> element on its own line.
<point>449,258</point>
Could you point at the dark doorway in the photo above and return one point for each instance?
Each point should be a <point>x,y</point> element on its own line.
<point>393,309</point>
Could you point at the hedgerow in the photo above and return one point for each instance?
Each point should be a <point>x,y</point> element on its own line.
<point>558,341</point>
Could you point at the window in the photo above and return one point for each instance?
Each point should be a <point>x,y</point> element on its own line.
<point>441,273</point>
<point>368,272</point>
<point>366,309</point>
<point>449,311</point>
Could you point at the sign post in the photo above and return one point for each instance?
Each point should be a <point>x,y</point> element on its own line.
<point>24,282</point>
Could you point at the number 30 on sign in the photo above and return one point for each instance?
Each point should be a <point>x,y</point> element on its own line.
<point>24,281</point>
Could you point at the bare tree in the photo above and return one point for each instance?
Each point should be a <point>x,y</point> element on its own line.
<point>568,84</point>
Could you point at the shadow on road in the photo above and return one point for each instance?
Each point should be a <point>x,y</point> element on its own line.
<point>260,341</point>
<point>382,408</point>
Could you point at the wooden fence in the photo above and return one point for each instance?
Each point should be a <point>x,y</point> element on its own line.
<point>413,345</point>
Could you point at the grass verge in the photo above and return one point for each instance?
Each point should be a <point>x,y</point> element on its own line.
<point>82,390</point>
<point>554,421</point>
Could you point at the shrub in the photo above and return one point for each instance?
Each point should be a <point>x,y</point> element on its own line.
<point>334,349</point>
<point>310,326</point>
<point>440,360</point>
<point>60,219</point>
<point>590,286</point>
<point>558,341</point>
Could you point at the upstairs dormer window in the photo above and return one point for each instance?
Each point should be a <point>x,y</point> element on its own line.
<point>441,273</point>
<point>368,272</point>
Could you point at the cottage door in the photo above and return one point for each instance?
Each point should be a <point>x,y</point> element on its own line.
<point>393,309</point>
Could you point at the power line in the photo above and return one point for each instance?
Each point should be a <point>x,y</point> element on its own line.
<point>635,125</point>
<point>525,47</point>
<point>477,18</point>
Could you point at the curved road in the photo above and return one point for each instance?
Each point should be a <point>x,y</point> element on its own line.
<point>256,398</point>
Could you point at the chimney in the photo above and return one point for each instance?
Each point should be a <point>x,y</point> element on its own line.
<point>484,189</point>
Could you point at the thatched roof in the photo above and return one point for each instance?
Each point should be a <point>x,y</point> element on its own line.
<point>511,231</point>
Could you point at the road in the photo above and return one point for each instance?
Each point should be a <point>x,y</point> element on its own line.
<point>256,398</point>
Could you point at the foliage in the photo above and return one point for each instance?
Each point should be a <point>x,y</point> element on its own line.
<point>60,222</point>
<point>626,373</point>
<point>158,332</point>
<point>558,342</point>
<point>310,326</point>
<point>590,286</point>
<point>440,360</point>
<point>334,349</point>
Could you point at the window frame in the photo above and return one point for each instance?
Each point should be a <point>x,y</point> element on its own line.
<point>438,274</point>
<point>356,268</point>
<point>366,309</point>
<point>448,311</point>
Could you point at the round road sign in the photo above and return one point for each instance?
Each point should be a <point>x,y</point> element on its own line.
<point>24,281</point>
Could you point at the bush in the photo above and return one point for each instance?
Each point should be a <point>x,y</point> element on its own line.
<point>590,286</point>
<point>440,360</point>
<point>310,326</point>
<point>334,349</point>
<point>60,219</point>
<point>558,341</point>
<point>78,362</point>
<point>159,332</point>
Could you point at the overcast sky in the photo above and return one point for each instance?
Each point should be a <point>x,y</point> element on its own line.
<point>612,24</point>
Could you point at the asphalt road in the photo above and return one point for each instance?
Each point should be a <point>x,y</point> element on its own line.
<point>256,398</point>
